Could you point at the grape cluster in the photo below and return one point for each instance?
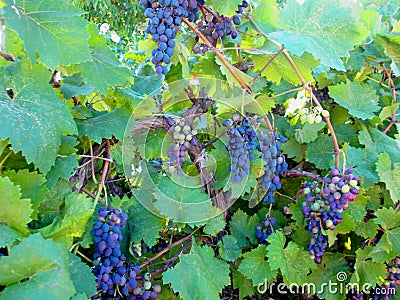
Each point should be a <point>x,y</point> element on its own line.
<point>265,230</point>
<point>321,94</point>
<point>297,108</point>
<point>242,139</point>
<point>215,26</point>
<point>165,17</point>
<point>275,164</point>
<point>114,276</point>
<point>324,206</point>
<point>388,289</point>
<point>184,136</point>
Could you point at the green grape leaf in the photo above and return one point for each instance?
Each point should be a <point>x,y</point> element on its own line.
<point>367,229</point>
<point>293,261</point>
<point>266,15</point>
<point>357,209</point>
<point>388,111</point>
<point>280,67</point>
<point>229,76</point>
<point>345,226</point>
<point>50,28</point>
<point>392,43</point>
<point>388,246</point>
<point>333,266</point>
<point>74,86</point>
<point>366,270</point>
<point>33,113</point>
<point>62,169</point>
<point>321,28</point>
<point>363,162</point>
<point>82,276</point>
<point>360,100</point>
<point>391,177</point>
<point>81,296</point>
<point>182,203</point>
<point>308,132</point>
<point>105,124</point>
<point>205,275</point>
<point>228,248</point>
<point>8,235</point>
<point>242,283</point>
<point>37,268</point>
<point>15,212</point>
<point>388,218</point>
<point>320,152</point>
<point>32,186</point>
<point>225,8</point>
<point>215,225</point>
<point>255,266</point>
<point>346,134</point>
<point>243,228</point>
<point>72,222</point>
<point>146,225</point>
<point>294,150</point>
<point>103,63</point>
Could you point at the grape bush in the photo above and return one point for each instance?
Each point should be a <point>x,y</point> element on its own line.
<point>199,149</point>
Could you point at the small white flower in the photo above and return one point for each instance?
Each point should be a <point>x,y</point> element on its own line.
<point>104,28</point>
<point>115,37</point>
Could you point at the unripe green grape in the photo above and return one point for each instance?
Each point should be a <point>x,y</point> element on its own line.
<point>325,113</point>
<point>329,223</point>
<point>177,128</point>
<point>147,285</point>
<point>345,188</point>
<point>318,119</point>
<point>353,183</point>
<point>310,119</point>
<point>307,191</point>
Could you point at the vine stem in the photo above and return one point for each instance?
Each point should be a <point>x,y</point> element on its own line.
<point>266,65</point>
<point>101,185</point>
<point>393,89</point>
<point>7,57</point>
<point>165,250</point>
<point>305,86</point>
<point>211,12</point>
<point>219,55</point>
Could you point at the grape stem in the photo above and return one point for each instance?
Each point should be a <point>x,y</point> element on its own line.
<point>219,55</point>
<point>305,86</point>
<point>7,57</point>
<point>301,173</point>
<point>393,89</point>
<point>211,12</point>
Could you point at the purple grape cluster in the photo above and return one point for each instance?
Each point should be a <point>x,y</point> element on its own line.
<point>323,206</point>
<point>242,139</point>
<point>265,230</point>
<point>388,289</point>
<point>275,164</point>
<point>165,17</point>
<point>115,278</point>
<point>215,26</point>
<point>329,202</point>
<point>184,136</point>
